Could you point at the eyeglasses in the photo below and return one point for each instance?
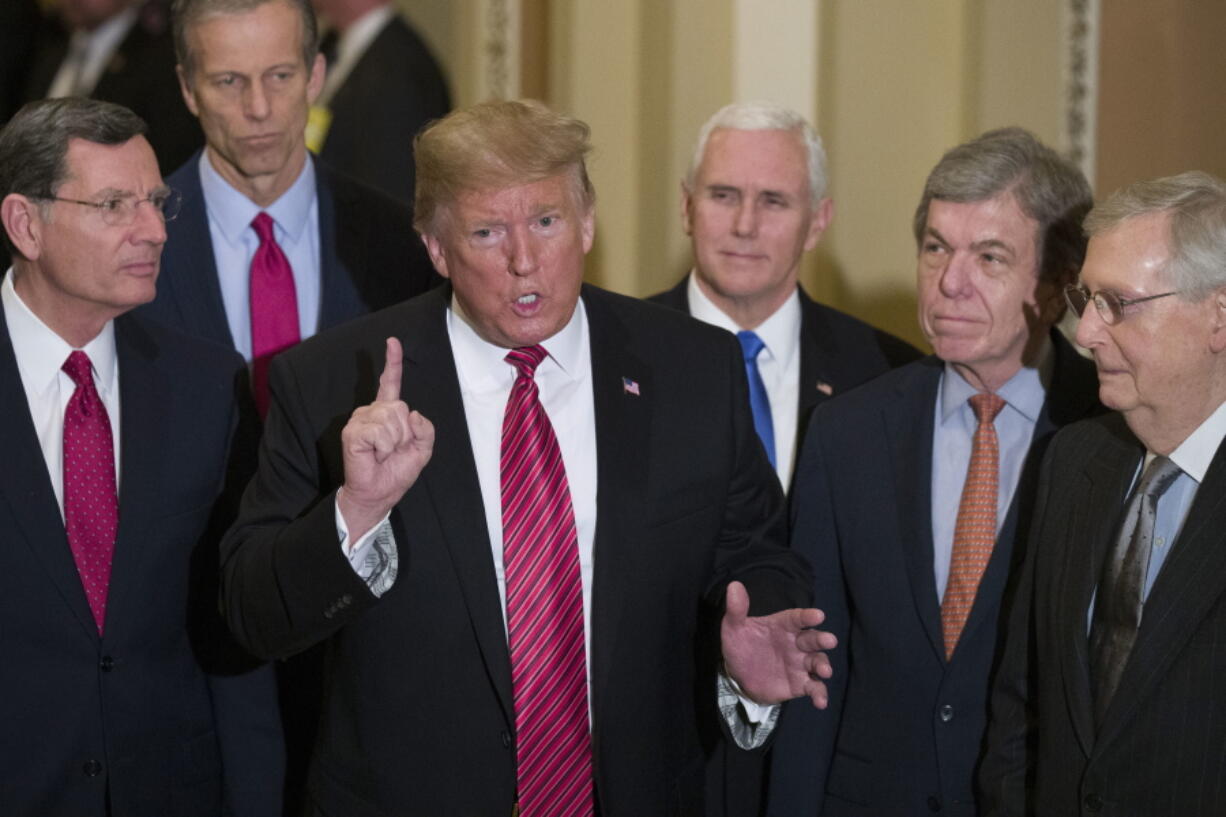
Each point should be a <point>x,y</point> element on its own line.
<point>1109,305</point>
<point>120,210</point>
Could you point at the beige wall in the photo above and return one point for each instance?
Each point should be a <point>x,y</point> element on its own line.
<point>890,83</point>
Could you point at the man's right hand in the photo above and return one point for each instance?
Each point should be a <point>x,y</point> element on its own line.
<point>385,448</point>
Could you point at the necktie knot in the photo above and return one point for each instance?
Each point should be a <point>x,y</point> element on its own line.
<point>751,344</point>
<point>1158,476</point>
<point>263,224</point>
<point>526,358</point>
<point>986,406</point>
<point>78,367</point>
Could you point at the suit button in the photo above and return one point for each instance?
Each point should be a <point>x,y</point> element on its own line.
<point>329,613</point>
<point>1093,802</point>
<point>106,664</point>
<point>92,768</point>
<point>934,803</point>
<point>946,713</point>
<point>346,600</point>
<point>506,739</point>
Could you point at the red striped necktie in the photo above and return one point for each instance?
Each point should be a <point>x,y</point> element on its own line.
<point>91,509</point>
<point>544,608</point>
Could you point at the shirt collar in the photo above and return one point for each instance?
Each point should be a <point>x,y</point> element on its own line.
<point>482,366</point>
<point>40,352</point>
<point>780,333</point>
<point>1024,392</point>
<point>1194,454</point>
<point>232,211</point>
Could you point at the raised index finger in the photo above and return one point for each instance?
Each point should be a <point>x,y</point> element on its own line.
<point>389,381</point>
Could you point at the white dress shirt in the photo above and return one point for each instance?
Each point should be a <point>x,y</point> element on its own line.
<point>351,46</point>
<point>295,218</point>
<point>778,363</point>
<point>88,54</point>
<point>40,354</point>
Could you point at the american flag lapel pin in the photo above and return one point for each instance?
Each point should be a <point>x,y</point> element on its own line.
<point>630,386</point>
<point>825,388</point>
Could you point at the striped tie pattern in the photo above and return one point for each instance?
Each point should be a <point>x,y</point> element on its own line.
<point>544,608</point>
<point>975,529</point>
<point>91,509</point>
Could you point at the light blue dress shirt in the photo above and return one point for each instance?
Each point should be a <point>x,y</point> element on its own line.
<point>296,218</point>
<point>955,425</point>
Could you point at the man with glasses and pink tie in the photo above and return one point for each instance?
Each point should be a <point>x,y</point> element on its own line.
<point>121,691</point>
<point>1110,698</point>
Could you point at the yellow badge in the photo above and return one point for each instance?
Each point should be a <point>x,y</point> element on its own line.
<point>319,120</point>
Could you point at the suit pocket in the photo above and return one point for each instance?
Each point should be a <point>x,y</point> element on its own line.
<point>850,778</point>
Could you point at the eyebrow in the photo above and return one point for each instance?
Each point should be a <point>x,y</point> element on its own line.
<point>985,244</point>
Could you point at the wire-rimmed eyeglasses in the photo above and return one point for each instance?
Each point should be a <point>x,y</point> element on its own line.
<point>1109,305</point>
<point>120,210</point>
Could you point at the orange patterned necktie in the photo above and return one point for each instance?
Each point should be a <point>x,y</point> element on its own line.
<point>975,530</point>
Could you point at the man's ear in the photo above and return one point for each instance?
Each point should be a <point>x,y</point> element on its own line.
<point>1217,336</point>
<point>185,88</point>
<point>823,214</point>
<point>438,255</point>
<point>23,224</point>
<point>687,201</point>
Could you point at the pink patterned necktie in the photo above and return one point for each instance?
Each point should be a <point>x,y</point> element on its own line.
<point>544,608</point>
<point>91,510</point>
<point>975,529</point>
<point>274,307</point>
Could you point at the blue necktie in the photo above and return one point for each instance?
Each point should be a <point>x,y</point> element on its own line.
<point>751,345</point>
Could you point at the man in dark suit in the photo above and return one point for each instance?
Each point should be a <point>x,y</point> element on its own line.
<point>119,51</point>
<point>121,692</point>
<point>1110,698</point>
<point>383,84</point>
<point>753,203</point>
<point>910,507</point>
<point>403,542</point>
<point>250,75</point>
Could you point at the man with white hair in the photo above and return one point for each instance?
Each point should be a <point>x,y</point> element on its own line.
<point>1109,700</point>
<point>753,203</point>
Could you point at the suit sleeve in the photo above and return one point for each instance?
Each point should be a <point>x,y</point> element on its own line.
<point>804,744</point>
<point>286,584</point>
<point>1005,771</point>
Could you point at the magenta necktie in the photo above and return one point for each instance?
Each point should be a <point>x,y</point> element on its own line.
<point>544,608</point>
<point>91,510</point>
<point>274,307</point>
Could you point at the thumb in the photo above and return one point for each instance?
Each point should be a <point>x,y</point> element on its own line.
<point>736,602</point>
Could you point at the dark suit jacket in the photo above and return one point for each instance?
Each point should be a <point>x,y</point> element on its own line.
<point>393,89</point>
<point>369,257</point>
<point>140,75</point>
<point>905,726</point>
<point>1162,745</point>
<point>836,350</point>
<point>160,711</point>
<point>418,716</point>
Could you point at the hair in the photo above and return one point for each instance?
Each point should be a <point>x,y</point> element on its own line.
<point>765,116</point>
<point>187,13</point>
<point>1195,203</point>
<point>1047,187</point>
<point>34,144</point>
<point>493,145</point>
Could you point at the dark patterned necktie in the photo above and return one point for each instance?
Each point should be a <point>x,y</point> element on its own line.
<point>544,608</point>
<point>91,509</point>
<point>1117,607</point>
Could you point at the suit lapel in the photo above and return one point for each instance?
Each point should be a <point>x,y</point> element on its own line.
<point>1094,505</point>
<point>26,488</point>
<point>623,422</point>
<point>193,284</point>
<point>817,348</point>
<point>1192,580</point>
<point>143,427</point>
<point>432,387</point>
<point>343,250</point>
<point>908,422</point>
